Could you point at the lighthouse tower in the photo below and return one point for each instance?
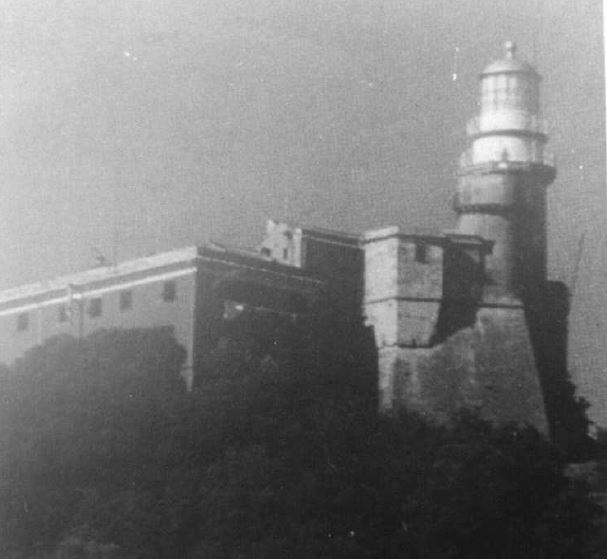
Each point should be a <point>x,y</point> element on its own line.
<point>467,319</point>
<point>503,175</point>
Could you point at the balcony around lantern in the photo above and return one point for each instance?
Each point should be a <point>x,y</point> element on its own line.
<point>506,122</point>
<point>467,163</point>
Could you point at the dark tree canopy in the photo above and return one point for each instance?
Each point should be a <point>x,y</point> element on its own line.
<point>275,454</point>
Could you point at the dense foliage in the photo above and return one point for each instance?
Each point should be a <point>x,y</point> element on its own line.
<point>275,454</point>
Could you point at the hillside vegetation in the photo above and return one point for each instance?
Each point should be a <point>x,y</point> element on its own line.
<point>274,454</point>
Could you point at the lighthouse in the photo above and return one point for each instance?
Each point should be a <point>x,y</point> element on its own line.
<point>466,319</point>
<point>503,175</point>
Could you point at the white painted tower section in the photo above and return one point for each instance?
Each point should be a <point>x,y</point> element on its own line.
<point>503,177</point>
<point>509,127</point>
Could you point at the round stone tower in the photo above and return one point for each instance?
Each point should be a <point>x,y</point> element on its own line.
<point>503,175</point>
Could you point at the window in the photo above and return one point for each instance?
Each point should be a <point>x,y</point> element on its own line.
<point>420,252</point>
<point>126,300</point>
<point>95,308</point>
<point>285,253</point>
<point>23,322</point>
<point>169,291</point>
<point>62,315</point>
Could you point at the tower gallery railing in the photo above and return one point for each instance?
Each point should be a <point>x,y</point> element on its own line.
<point>545,159</point>
<point>528,123</point>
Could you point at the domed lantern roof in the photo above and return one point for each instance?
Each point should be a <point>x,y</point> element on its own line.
<point>509,64</point>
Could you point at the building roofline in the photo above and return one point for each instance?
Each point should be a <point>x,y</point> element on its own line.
<point>184,256</point>
<point>330,234</point>
<point>253,259</point>
<point>322,232</point>
<point>439,238</point>
<point>173,261</point>
<point>395,231</point>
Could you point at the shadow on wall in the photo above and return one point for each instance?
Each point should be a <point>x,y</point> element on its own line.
<point>547,317</point>
<point>463,283</point>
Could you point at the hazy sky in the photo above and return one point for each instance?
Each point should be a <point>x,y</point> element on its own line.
<point>135,126</point>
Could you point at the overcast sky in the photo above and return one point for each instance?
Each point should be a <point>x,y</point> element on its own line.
<point>133,126</point>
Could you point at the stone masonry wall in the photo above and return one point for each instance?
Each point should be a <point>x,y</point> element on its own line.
<point>489,366</point>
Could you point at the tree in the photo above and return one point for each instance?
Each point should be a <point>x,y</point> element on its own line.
<point>309,470</point>
<point>82,422</point>
<point>279,452</point>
